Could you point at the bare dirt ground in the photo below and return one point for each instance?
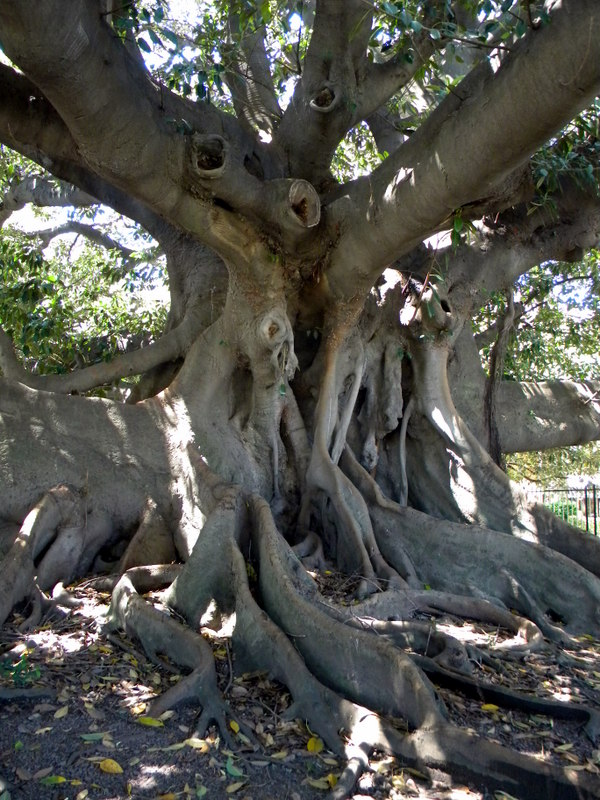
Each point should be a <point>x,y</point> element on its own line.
<point>73,722</point>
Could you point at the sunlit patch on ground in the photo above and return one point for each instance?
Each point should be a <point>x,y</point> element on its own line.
<point>102,688</point>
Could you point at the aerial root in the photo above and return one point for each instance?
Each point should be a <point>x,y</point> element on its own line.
<point>159,633</point>
<point>357,550</point>
<point>356,547</point>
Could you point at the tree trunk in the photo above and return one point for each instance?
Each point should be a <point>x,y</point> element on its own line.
<point>245,456</point>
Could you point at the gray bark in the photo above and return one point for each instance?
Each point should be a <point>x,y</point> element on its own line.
<point>277,358</point>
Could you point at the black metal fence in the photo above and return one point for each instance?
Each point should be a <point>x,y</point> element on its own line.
<point>578,507</point>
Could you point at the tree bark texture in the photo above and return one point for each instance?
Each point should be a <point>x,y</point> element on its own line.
<point>292,415</point>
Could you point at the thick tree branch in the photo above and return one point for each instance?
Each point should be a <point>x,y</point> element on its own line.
<point>325,99</point>
<point>520,241</point>
<point>41,191</point>
<point>538,416</point>
<point>382,80</point>
<point>99,86</point>
<point>250,82</point>
<point>510,112</point>
<point>31,126</point>
<point>172,345</point>
<point>81,229</point>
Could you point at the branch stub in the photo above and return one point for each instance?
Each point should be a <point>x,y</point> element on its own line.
<point>305,203</point>
<point>208,155</point>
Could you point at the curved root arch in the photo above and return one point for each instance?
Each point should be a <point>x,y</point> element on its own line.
<point>348,668</point>
<point>343,677</point>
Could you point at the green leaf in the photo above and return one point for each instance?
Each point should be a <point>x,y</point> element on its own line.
<point>265,12</point>
<point>52,780</point>
<point>172,37</point>
<point>143,45</point>
<point>92,737</point>
<point>232,770</point>
<point>151,722</point>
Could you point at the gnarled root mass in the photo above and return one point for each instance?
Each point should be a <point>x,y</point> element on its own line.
<point>362,674</point>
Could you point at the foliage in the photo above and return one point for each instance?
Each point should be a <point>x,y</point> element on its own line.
<point>555,337</point>
<point>20,672</point>
<point>573,155</point>
<point>558,332</point>
<point>554,467</point>
<point>70,310</point>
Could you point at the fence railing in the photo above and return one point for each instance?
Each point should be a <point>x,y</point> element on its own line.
<point>578,507</point>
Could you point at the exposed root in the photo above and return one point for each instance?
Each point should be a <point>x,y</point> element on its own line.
<point>403,604</point>
<point>310,551</point>
<point>32,552</point>
<point>488,765</point>
<point>345,667</point>
<point>486,692</point>
<point>557,588</point>
<point>336,654</point>
<point>145,579</point>
<point>522,599</point>
<point>159,633</point>
<point>419,637</point>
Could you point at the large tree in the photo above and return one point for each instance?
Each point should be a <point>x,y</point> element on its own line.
<point>294,412</point>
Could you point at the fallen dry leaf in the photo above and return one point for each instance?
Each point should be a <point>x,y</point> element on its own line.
<point>197,744</point>
<point>41,773</point>
<point>234,787</point>
<point>111,766</point>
